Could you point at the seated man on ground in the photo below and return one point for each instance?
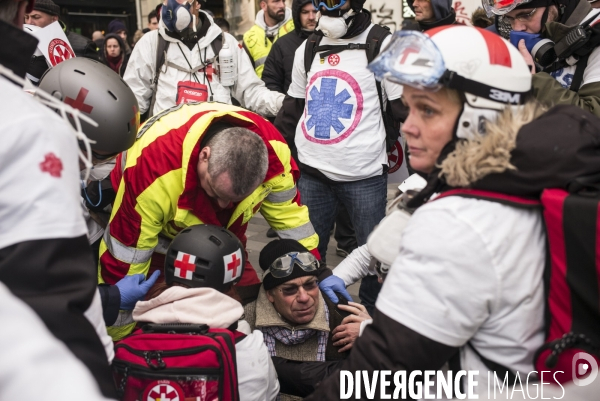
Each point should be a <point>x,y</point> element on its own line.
<point>200,291</point>
<point>297,321</point>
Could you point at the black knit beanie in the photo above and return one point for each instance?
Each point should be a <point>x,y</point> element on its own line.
<point>47,6</point>
<point>274,250</point>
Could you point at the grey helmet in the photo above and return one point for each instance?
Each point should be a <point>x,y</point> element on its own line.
<point>101,94</point>
<point>205,255</point>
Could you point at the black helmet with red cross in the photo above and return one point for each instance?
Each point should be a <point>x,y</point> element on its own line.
<point>205,256</point>
<point>100,93</point>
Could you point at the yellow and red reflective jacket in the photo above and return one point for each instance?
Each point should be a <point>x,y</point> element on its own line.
<point>158,192</point>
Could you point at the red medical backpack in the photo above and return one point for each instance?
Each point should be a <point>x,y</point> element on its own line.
<point>571,279</point>
<point>177,362</point>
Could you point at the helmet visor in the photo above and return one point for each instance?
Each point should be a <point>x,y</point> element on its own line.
<point>501,7</point>
<point>328,4</point>
<point>284,265</point>
<point>410,59</point>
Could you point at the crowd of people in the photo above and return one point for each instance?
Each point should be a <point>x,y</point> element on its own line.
<point>129,175</point>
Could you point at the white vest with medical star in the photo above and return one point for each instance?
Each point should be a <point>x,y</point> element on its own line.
<point>341,132</point>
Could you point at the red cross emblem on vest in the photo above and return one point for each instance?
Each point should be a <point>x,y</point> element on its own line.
<point>233,266</point>
<point>79,102</point>
<point>185,265</point>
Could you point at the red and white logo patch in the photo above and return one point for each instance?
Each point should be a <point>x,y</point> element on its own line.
<point>163,390</point>
<point>185,265</point>
<point>233,266</point>
<point>333,59</point>
<point>52,165</point>
<point>59,51</point>
<point>395,157</point>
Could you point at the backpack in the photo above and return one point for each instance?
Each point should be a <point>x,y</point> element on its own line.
<point>571,276</point>
<point>557,169</point>
<point>161,55</point>
<point>178,362</point>
<point>372,47</point>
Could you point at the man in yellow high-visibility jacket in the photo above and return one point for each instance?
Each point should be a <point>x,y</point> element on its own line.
<point>198,163</point>
<point>272,22</point>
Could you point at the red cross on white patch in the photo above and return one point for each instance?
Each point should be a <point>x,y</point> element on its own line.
<point>59,51</point>
<point>233,266</point>
<point>163,390</point>
<point>185,265</point>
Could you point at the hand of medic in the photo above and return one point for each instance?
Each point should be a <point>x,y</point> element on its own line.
<point>133,288</point>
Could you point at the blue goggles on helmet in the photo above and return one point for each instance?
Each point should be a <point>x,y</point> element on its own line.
<point>328,4</point>
<point>410,59</point>
<point>413,59</point>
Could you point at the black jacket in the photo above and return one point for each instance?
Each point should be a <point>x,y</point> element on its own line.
<point>82,46</point>
<point>277,73</point>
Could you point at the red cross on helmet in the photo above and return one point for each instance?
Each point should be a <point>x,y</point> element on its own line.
<point>205,256</point>
<point>101,94</point>
<point>490,72</point>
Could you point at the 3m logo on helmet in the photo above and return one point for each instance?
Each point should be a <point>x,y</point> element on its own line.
<point>505,97</point>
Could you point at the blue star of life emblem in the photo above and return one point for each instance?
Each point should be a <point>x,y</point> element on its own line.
<point>326,109</point>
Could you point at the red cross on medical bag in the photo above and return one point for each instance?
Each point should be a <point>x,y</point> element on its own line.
<point>177,362</point>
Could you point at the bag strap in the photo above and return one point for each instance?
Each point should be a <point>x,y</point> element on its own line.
<point>510,200</point>
<point>375,38</point>
<point>498,369</point>
<point>217,45</point>
<point>161,52</point>
<point>310,50</point>
<point>579,70</point>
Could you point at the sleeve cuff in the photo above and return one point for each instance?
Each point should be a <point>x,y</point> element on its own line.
<point>111,301</point>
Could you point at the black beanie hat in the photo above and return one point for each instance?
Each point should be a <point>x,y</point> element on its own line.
<point>47,6</point>
<point>276,249</point>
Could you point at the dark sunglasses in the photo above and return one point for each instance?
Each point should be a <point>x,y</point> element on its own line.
<point>291,290</point>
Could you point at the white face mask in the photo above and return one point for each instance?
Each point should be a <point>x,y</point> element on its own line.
<point>332,27</point>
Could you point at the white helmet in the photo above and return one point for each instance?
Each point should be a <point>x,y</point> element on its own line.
<point>485,67</point>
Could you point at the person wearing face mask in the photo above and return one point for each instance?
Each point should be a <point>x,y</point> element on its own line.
<point>332,118</point>
<point>567,80</point>
<point>273,21</point>
<point>186,60</point>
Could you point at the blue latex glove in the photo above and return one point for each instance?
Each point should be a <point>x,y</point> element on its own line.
<point>133,288</point>
<point>331,284</point>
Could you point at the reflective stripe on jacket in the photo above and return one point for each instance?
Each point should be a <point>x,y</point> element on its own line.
<point>158,193</point>
<point>259,46</point>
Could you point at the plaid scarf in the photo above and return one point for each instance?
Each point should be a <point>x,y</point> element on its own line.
<point>292,337</point>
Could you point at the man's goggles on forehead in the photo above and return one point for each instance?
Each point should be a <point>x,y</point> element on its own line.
<point>284,265</point>
<point>328,4</point>
<point>501,7</point>
<point>413,59</point>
